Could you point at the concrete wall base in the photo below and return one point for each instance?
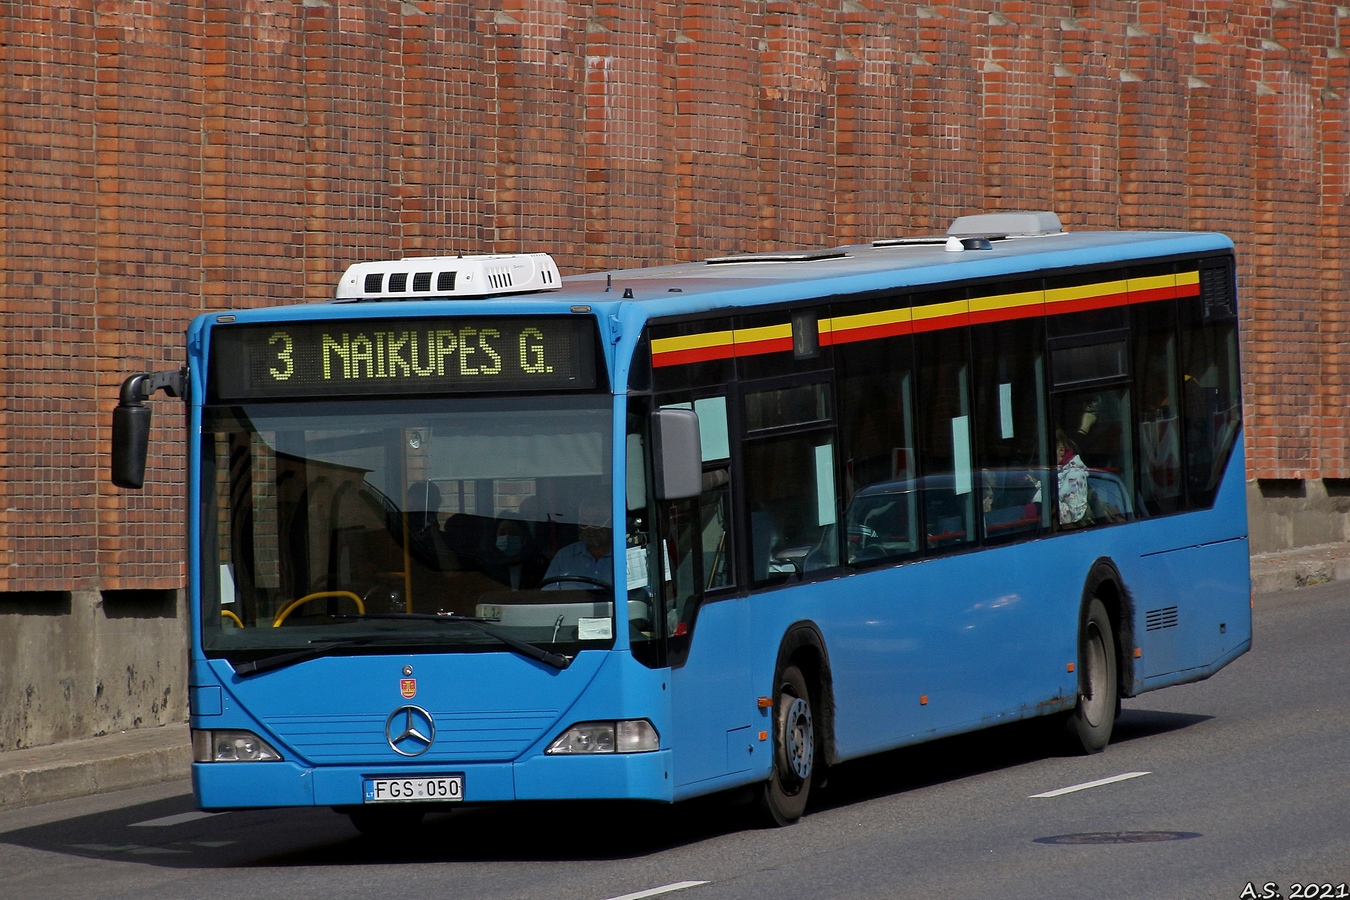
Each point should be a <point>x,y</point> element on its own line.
<point>80,664</point>
<point>1289,513</point>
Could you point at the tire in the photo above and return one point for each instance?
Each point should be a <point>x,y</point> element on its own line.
<point>1090,723</point>
<point>794,750</point>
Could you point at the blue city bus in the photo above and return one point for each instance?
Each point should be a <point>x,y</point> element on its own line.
<point>856,498</point>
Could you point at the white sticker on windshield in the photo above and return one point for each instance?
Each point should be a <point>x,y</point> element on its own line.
<point>594,629</point>
<point>637,568</point>
<point>226,585</point>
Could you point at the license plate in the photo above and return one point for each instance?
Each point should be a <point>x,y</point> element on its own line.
<point>414,790</point>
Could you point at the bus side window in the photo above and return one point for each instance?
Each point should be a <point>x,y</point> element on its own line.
<point>1093,434</point>
<point>792,505</point>
<point>1010,421</point>
<point>946,476</point>
<point>876,434</point>
<point>1211,399</point>
<point>1155,373</point>
<point>790,481</point>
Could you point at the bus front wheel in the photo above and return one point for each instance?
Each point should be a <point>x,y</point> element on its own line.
<point>1090,723</point>
<point>794,750</point>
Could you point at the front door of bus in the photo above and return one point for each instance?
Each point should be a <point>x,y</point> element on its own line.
<point>710,671</point>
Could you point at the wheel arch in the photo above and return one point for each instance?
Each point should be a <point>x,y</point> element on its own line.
<point>1105,583</point>
<point>804,646</point>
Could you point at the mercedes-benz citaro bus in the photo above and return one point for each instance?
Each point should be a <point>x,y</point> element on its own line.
<point>473,533</point>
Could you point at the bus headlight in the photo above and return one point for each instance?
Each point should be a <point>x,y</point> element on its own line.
<point>623,736</point>
<point>231,746</point>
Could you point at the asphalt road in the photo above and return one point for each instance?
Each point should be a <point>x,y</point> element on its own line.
<point>1235,787</point>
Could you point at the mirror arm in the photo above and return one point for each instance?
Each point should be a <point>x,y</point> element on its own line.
<point>136,389</point>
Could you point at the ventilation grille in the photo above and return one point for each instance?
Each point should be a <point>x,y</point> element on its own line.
<point>499,279</point>
<point>1158,619</point>
<point>1216,293</point>
<point>398,282</point>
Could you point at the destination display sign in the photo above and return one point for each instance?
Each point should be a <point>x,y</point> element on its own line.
<point>400,356</point>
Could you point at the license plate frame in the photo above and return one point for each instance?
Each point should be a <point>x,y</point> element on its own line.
<point>413,789</point>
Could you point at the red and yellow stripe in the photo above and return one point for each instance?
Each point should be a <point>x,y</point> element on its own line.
<point>713,345</point>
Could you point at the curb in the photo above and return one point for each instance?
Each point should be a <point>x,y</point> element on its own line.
<point>131,759</point>
<point>1286,570</point>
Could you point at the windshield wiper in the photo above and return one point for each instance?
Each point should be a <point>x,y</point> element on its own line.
<point>323,648</point>
<point>290,658</point>
<point>524,648</point>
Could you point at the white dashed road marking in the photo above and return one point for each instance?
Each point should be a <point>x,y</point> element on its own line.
<point>658,891</point>
<point>1090,784</point>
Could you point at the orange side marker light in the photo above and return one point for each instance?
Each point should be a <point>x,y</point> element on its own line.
<point>1070,668</point>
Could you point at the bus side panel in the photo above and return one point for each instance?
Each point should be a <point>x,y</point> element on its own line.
<point>1193,603</point>
<point>942,646</point>
<point>1194,609</point>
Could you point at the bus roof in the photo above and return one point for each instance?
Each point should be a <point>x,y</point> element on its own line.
<point>785,277</point>
<point>761,279</point>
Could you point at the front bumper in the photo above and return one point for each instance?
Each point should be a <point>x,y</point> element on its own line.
<point>614,776</point>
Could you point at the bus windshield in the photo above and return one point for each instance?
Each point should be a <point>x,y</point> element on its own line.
<point>372,525</point>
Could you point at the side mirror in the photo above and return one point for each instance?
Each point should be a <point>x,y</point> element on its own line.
<point>130,434</point>
<point>677,454</point>
<point>131,423</point>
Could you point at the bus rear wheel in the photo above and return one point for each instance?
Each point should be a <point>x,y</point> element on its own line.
<point>794,750</point>
<point>1094,716</point>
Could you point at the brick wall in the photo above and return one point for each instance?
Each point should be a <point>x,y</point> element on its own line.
<point>164,158</point>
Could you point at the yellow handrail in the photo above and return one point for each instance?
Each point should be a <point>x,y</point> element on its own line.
<point>317,595</point>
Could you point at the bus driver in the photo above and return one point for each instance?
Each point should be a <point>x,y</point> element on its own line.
<point>592,557</point>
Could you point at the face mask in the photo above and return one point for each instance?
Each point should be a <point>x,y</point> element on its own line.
<point>508,544</point>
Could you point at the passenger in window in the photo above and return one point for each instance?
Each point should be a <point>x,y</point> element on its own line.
<point>1091,433</point>
<point>589,560</point>
<point>511,559</point>
<point>1073,481</point>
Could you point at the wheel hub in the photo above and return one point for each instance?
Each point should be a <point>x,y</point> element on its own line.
<point>799,739</point>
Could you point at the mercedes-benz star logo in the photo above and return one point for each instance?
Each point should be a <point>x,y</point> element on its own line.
<point>410,730</point>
